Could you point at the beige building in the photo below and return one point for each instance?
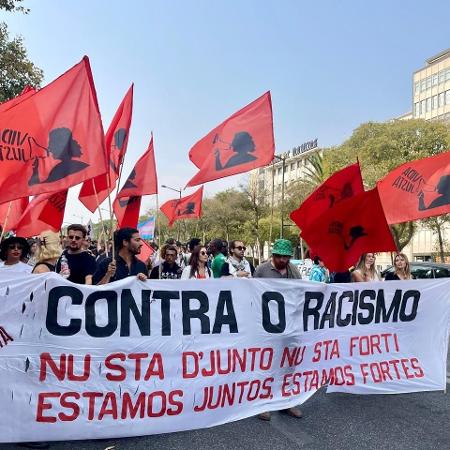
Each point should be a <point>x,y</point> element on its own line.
<point>296,163</point>
<point>431,89</point>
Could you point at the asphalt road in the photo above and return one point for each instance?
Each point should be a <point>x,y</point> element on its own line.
<point>332,421</point>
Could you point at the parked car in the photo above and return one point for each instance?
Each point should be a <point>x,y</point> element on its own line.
<point>425,270</point>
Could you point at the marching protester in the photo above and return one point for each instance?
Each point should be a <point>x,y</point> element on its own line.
<point>190,248</point>
<point>75,264</point>
<point>319,272</point>
<point>12,251</point>
<point>169,269</point>
<point>128,244</point>
<point>365,268</point>
<point>236,265</point>
<point>279,265</point>
<point>49,252</point>
<point>215,248</point>
<point>401,271</point>
<point>198,265</point>
<point>34,248</point>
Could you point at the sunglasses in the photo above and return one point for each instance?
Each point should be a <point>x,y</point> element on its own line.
<point>280,256</point>
<point>241,248</point>
<point>15,246</point>
<point>203,253</point>
<point>77,238</point>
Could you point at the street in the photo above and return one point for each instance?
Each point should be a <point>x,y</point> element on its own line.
<point>331,421</point>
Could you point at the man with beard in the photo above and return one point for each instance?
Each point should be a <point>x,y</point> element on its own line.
<point>81,265</point>
<point>128,244</point>
<point>236,265</point>
<point>279,267</point>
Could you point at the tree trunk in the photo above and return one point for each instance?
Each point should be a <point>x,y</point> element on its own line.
<point>441,243</point>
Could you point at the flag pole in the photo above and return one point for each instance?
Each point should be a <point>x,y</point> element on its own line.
<point>158,240</point>
<point>6,221</point>
<point>101,218</point>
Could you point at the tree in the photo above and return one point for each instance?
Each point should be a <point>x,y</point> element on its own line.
<point>381,147</point>
<point>16,70</point>
<point>13,5</point>
<point>436,225</point>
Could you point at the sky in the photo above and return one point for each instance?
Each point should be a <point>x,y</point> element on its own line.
<point>330,66</point>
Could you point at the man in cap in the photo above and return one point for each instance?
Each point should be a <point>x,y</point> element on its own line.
<point>279,266</point>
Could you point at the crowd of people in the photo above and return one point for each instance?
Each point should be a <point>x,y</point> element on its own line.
<point>81,261</point>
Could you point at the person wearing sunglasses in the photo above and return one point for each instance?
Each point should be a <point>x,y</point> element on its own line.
<point>12,251</point>
<point>198,265</point>
<point>236,266</point>
<point>81,264</point>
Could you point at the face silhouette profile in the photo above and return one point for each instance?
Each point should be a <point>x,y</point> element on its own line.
<point>63,147</point>
<point>443,188</point>
<point>125,201</point>
<point>129,183</point>
<point>190,209</point>
<point>119,141</point>
<point>242,145</point>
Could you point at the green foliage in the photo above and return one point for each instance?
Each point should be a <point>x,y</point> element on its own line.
<point>16,70</point>
<point>13,5</point>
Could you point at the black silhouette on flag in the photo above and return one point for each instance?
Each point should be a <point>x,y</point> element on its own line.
<point>443,188</point>
<point>190,209</point>
<point>61,147</point>
<point>242,145</point>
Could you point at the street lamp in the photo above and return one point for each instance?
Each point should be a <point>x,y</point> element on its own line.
<point>283,170</point>
<point>179,192</point>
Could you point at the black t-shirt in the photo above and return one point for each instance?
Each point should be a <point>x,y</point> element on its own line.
<point>122,269</point>
<point>167,272</point>
<point>80,265</point>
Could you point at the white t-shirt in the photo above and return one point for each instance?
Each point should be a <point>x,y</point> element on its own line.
<point>186,274</point>
<point>19,267</point>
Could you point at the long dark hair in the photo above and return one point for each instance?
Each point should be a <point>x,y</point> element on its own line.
<point>195,258</point>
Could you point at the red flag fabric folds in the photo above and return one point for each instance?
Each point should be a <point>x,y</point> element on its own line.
<point>141,181</point>
<point>146,251</point>
<point>241,143</point>
<point>184,208</point>
<point>116,141</point>
<point>27,92</point>
<point>352,227</point>
<point>15,212</point>
<point>44,212</point>
<point>52,139</point>
<point>340,186</point>
<point>417,189</point>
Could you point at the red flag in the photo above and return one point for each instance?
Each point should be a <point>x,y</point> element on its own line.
<point>352,227</point>
<point>146,251</point>
<point>15,212</point>
<point>116,140</point>
<point>141,181</point>
<point>52,139</point>
<point>44,212</point>
<point>27,92</point>
<point>340,186</point>
<point>241,143</point>
<point>417,189</point>
<point>189,207</point>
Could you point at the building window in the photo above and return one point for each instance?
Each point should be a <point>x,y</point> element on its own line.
<point>416,109</point>
<point>299,163</point>
<point>434,80</point>
<point>447,97</point>
<point>441,99</point>
<point>447,76</point>
<point>423,85</point>
<point>434,102</point>
<point>279,171</point>
<point>292,167</point>
<point>428,82</point>
<point>422,107</point>
<point>416,87</point>
<point>428,104</point>
<point>441,76</point>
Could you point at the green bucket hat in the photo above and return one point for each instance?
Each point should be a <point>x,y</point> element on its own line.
<point>282,247</point>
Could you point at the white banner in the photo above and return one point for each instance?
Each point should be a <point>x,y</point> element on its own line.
<point>136,358</point>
